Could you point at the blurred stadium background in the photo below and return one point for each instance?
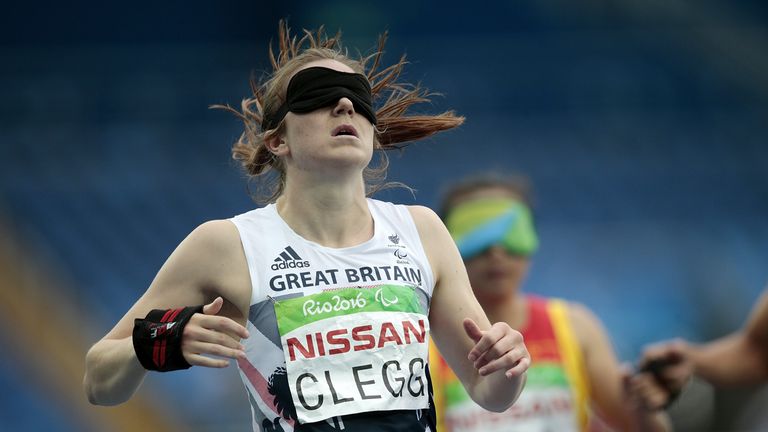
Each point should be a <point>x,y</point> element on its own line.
<point>643,125</point>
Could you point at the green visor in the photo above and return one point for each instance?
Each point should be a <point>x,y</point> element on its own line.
<point>477,225</point>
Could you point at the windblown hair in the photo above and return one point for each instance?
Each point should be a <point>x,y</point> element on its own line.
<point>394,129</point>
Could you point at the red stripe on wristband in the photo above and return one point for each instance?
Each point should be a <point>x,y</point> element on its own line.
<point>158,350</point>
<point>175,314</point>
<point>162,352</point>
<point>156,353</point>
<point>166,315</point>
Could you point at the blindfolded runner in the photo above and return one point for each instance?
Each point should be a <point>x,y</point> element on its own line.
<point>325,298</point>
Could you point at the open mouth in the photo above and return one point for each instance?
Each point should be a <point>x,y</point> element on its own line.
<point>345,130</point>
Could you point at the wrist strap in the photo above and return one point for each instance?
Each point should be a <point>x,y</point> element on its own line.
<point>157,338</point>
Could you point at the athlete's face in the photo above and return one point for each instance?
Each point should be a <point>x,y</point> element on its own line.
<point>495,272</point>
<point>333,137</point>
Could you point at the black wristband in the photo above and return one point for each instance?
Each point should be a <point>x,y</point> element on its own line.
<point>157,338</point>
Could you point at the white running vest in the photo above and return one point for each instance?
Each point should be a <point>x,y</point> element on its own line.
<point>339,337</point>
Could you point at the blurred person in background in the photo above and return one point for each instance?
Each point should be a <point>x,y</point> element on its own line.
<point>325,298</point>
<point>736,360</point>
<point>575,376</point>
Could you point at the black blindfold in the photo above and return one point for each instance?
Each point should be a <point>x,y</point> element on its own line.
<point>319,87</point>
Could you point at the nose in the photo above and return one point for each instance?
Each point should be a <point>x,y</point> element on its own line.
<point>343,106</point>
<point>496,251</point>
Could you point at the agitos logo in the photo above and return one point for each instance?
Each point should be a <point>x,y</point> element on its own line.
<point>289,259</point>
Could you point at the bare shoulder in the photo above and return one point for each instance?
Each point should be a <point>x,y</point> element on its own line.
<point>437,242</point>
<point>434,234</point>
<point>586,325</point>
<point>212,245</point>
<point>219,241</point>
<point>423,215</point>
<point>209,243</point>
<point>211,260</point>
<point>216,236</point>
<point>208,263</point>
<point>581,314</point>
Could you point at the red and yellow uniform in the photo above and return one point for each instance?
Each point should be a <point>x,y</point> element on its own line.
<point>556,394</point>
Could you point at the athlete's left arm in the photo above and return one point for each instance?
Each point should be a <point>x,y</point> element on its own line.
<point>618,396</point>
<point>490,360</point>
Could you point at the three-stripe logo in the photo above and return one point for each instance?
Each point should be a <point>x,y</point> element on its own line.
<point>288,258</point>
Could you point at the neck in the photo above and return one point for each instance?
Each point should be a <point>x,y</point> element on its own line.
<point>331,213</point>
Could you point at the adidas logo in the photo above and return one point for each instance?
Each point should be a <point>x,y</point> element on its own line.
<point>289,259</point>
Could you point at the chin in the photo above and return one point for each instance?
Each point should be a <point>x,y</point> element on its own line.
<point>494,287</point>
<point>338,166</point>
<point>350,158</point>
<point>490,298</point>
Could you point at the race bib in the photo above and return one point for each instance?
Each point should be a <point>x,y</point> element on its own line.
<point>545,405</point>
<point>355,350</point>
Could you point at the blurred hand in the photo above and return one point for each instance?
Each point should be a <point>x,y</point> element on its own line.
<point>208,334</point>
<point>668,364</point>
<point>643,390</point>
<point>499,348</point>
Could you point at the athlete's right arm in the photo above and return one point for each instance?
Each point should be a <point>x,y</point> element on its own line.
<point>740,358</point>
<point>209,266</point>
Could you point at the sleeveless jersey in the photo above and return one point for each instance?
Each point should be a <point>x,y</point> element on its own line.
<point>338,336</point>
<point>555,395</point>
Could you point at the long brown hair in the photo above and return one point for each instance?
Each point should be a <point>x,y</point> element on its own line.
<point>394,128</point>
